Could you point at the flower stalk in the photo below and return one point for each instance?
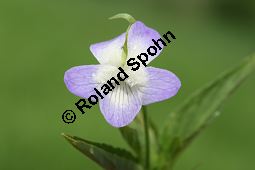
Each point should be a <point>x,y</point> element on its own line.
<point>131,20</point>
<point>147,139</point>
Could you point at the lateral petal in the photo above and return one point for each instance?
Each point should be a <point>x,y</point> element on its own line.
<point>80,80</point>
<point>161,85</point>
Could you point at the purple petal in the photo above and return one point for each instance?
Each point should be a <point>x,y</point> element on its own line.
<point>109,52</point>
<point>161,85</point>
<point>121,105</point>
<point>140,39</point>
<point>79,80</point>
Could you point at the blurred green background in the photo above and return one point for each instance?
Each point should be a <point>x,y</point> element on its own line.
<point>41,39</point>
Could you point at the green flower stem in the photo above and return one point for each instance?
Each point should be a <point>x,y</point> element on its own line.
<point>147,140</point>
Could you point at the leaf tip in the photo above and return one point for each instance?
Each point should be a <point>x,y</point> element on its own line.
<point>69,138</point>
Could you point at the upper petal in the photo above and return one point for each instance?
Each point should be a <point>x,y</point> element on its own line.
<point>140,39</point>
<point>109,52</point>
<point>121,105</point>
<point>80,80</point>
<point>162,84</point>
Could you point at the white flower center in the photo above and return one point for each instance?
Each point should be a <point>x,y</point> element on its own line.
<point>136,78</point>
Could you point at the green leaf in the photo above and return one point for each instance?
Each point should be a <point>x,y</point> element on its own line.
<point>134,135</point>
<point>197,111</point>
<point>106,156</point>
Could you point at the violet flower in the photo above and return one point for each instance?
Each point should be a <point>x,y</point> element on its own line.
<point>142,87</point>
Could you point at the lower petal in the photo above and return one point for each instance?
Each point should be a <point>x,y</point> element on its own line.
<point>161,85</point>
<point>121,105</point>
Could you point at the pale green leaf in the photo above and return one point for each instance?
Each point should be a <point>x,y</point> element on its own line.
<point>199,109</point>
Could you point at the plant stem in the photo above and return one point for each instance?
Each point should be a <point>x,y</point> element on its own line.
<point>147,140</point>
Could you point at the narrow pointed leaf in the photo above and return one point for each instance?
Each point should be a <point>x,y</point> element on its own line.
<point>106,156</point>
<point>197,111</point>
